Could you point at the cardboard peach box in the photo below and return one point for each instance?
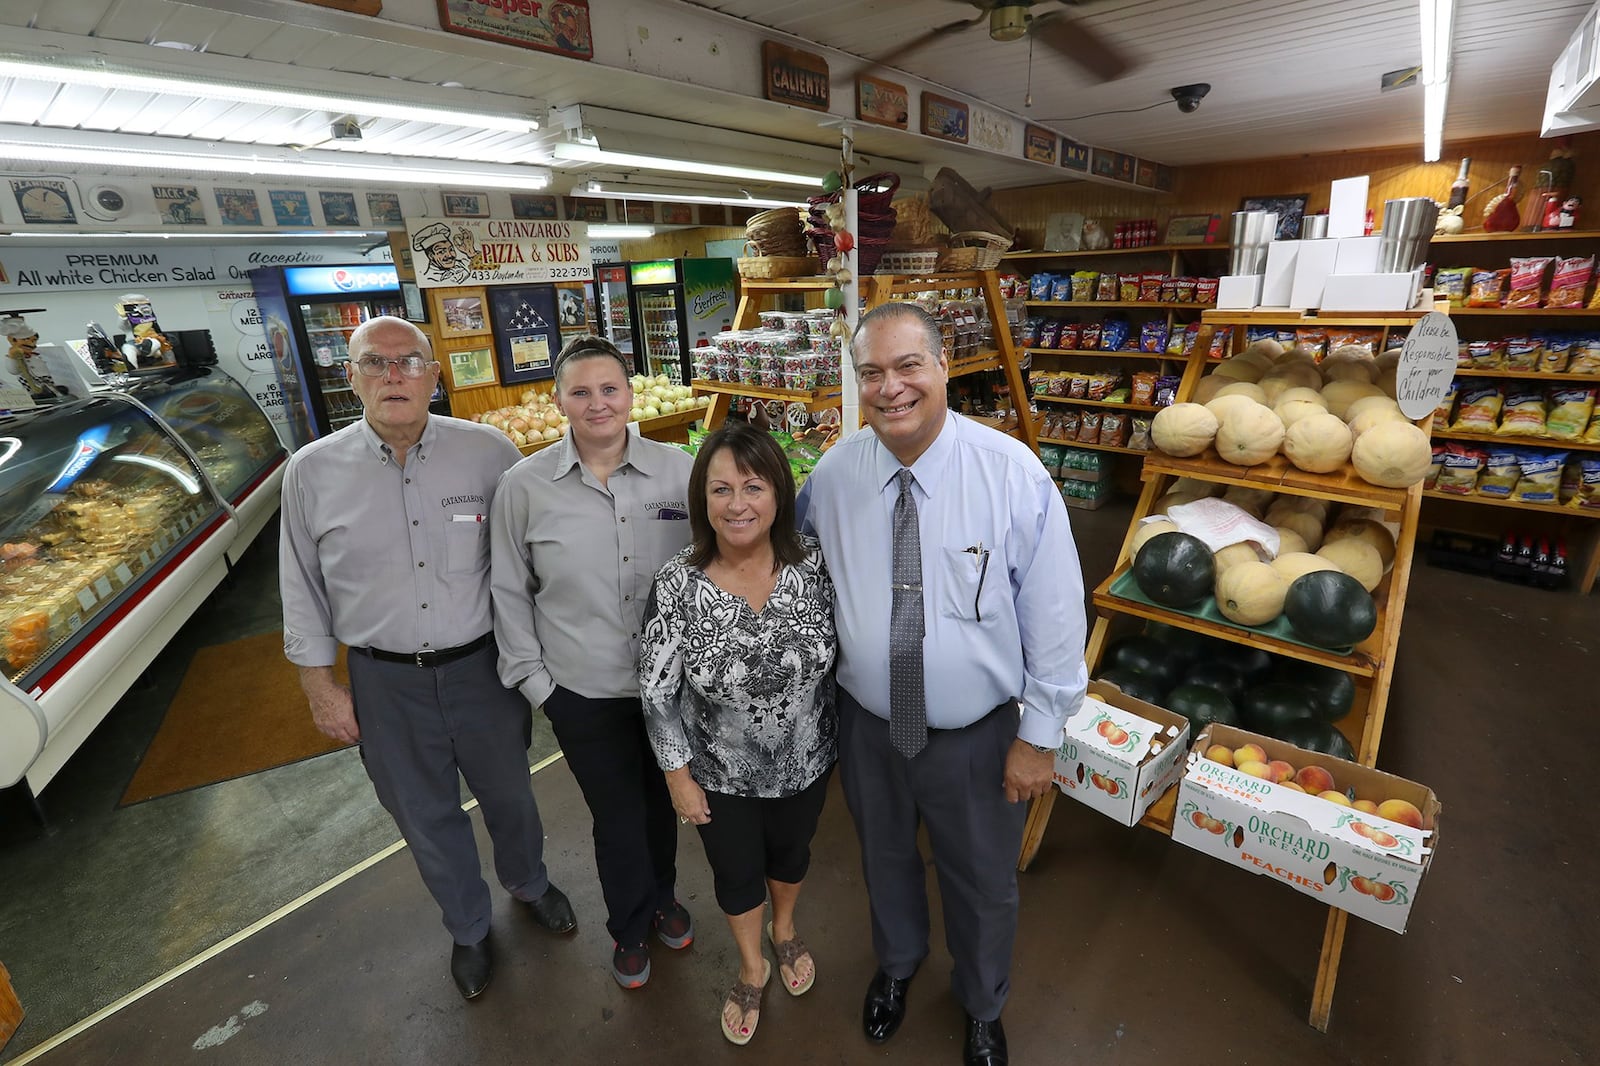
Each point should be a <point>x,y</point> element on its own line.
<point>1120,754</point>
<point>1369,866</point>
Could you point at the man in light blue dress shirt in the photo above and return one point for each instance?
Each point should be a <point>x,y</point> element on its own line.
<point>1004,623</point>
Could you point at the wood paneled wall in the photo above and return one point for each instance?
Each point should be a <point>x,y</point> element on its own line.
<point>679,243</point>
<point>1219,188</point>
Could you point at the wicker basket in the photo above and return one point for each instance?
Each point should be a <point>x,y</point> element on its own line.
<point>913,223</point>
<point>909,261</point>
<point>767,267</point>
<point>777,232</point>
<point>988,248</point>
<point>958,260</point>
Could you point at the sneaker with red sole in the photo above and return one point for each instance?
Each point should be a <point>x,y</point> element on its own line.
<point>674,926</point>
<point>630,966</point>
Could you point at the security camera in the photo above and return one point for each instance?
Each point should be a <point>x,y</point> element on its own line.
<point>1189,96</point>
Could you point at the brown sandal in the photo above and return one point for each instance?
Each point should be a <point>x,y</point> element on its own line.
<point>747,998</point>
<point>789,953</point>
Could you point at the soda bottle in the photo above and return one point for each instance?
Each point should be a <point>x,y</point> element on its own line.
<point>1541,565</point>
<point>1558,566</point>
<point>1525,561</point>
<point>1505,564</point>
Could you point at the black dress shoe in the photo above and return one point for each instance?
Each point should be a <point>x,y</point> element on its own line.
<point>986,1043</point>
<point>553,911</point>
<point>885,1006</point>
<point>472,965</point>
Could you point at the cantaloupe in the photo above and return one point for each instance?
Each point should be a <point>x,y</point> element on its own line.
<point>1367,403</point>
<point>1208,387</point>
<point>1183,429</point>
<point>1364,421</point>
<point>1195,486</point>
<point>1302,394</point>
<point>1248,435</point>
<point>1251,594</point>
<point>1272,388</point>
<point>1293,411</point>
<point>1349,364</point>
<point>1308,525</point>
<point>1221,405</point>
<point>1234,554</point>
<point>1341,394</point>
<point>1283,505</point>
<point>1391,454</point>
<point>1367,531</point>
<point>1355,557</point>
<point>1319,443</point>
<point>1289,541</point>
<point>1388,381</point>
<point>1173,499</point>
<point>1263,348</point>
<point>1242,388</point>
<point>1293,564</point>
<point>1239,370</point>
<point>1254,501</point>
<point>1299,374</point>
<point>1147,530</point>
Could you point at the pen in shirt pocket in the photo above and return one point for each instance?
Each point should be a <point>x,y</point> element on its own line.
<point>980,561</point>
<point>466,518</point>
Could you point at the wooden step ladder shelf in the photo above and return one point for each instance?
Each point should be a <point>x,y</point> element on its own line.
<point>877,289</point>
<point>1371,665</point>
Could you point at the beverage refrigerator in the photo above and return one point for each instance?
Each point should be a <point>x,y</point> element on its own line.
<point>308,314</point>
<point>612,307</point>
<point>678,305</point>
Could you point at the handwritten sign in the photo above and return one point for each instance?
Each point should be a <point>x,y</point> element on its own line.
<point>1427,365</point>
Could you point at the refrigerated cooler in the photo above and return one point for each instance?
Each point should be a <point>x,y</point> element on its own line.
<point>615,312</point>
<point>308,314</point>
<point>678,305</point>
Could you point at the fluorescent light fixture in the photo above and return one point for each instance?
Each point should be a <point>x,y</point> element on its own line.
<point>227,159</point>
<point>101,77</point>
<point>1438,27</point>
<point>625,193</point>
<point>607,232</point>
<point>589,153</point>
<point>187,481</point>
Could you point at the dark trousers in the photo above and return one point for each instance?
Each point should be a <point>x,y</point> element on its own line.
<point>751,840</point>
<point>420,727</point>
<point>955,787</point>
<point>635,827</point>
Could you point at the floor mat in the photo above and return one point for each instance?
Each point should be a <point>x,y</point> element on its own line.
<point>238,711</point>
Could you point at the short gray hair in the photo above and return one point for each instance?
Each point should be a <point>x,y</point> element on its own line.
<point>904,309</point>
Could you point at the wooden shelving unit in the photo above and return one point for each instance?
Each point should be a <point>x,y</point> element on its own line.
<point>1370,664</point>
<point>878,289</point>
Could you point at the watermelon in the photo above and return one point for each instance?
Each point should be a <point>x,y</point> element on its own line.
<point>1175,570</point>
<point>1253,664</point>
<point>1185,645</point>
<point>1267,708</point>
<point>1220,676</point>
<point>1313,734</point>
<point>1139,686</point>
<point>1201,705</point>
<point>1146,656</point>
<point>1330,609</point>
<point>1333,690</point>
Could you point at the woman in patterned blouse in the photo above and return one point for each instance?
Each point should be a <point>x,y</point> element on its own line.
<point>735,671</point>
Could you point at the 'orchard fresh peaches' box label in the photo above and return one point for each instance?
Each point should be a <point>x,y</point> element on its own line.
<point>1120,754</point>
<point>1348,858</point>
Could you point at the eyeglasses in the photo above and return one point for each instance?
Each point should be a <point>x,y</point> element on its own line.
<point>376,366</point>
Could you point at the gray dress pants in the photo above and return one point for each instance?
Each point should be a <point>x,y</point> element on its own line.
<point>955,786</point>
<point>420,727</point>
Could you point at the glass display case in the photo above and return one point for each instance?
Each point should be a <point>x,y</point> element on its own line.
<point>110,536</point>
<point>214,415</point>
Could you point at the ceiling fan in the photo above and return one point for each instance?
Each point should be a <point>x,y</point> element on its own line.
<point>1013,20</point>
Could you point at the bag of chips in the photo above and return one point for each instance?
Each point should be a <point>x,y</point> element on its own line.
<point>1488,288</point>
<point>1114,334</point>
<point>1128,288</point>
<point>1107,286</point>
<point>1557,353</point>
<point>1570,280</point>
<point>1523,353</point>
<point>1205,291</point>
<point>1083,285</point>
<point>1541,477</point>
<point>1139,434</point>
<point>1114,429</point>
<point>1144,388</point>
<point>1089,427</point>
<point>1061,287</point>
<point>1221,342</point>
<point>1150,283</point>
<point>1451,283</point>
<point>1527,280</point>
<point>1039,286</point>
<point>1588,494</point>
<point>1459,475</point>
<point>1153,336</point>
<point>1480,409</point>
<point>1585,356</point>
<point>1447,402</point>
<point>1089,337</point>
<point>1500,472</point>
<point>1486,355</point>
<point>1571,412</point>
<point>1523,414</point>
<point>1437,465</point>
<point>1071,337</point>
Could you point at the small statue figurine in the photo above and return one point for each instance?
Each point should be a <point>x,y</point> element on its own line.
<point>1094,235</point>
<point>1569,212</point>
<point>147,346</point>
<point>1450,221</point>
<point>23,354</point>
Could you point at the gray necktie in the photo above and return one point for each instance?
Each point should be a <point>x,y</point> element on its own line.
<point>908,709</point>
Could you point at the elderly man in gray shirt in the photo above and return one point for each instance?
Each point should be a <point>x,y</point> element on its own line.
<point>385,549</point>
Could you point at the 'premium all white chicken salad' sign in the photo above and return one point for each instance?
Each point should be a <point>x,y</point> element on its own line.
<point>496,251</point>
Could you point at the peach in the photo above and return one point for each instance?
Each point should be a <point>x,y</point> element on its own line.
<point>1278,771</point>
<point>1254,767</point>
<point>1290,785</point>
<point>1249,753</point>
<point>1314,779</point>
<point>1365,806</point>
<point>1402,811</point>
<point>1221,754</point>
<point>1334,797</point>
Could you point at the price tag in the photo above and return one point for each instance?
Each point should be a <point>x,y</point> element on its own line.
<point>1427,365</point>
<point>102,587</point>
<point>123,574</point>
<point>144,559</point>
<point>86,599</point>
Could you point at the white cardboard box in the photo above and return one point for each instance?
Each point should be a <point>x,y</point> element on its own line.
<point>1238,292</point>
<point>1278,282</point>
<point>1311,269</point>
<point>1120,754</point>
<point>1310,844</point>
<point>1356,255</point>
<point>1372,292</point>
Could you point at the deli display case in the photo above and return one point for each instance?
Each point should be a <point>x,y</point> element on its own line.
<point>237,447</point>
<point>111,535</point>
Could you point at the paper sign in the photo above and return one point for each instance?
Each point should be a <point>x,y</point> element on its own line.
<point>1347,207</point>
<point>1427,365</point>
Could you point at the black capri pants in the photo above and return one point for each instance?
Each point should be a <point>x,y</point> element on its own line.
<point>751,840</point>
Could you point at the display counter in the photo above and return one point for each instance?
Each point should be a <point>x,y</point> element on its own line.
<point>112,535</point>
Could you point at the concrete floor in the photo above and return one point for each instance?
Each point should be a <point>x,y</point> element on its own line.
<point>1134,949</point>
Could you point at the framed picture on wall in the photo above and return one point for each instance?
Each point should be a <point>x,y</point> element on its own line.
<point>416,306</point>
<point>465,204</point>
<point>1289,209</point>
<point>677,214</point>
<point>1193,229</point>
<point>462,313</point>
<point>470,368</point>
<point>527,332</point>
<point>529,205</point>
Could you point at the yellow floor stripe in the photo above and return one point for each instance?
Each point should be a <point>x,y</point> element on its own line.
<point>242,935</point>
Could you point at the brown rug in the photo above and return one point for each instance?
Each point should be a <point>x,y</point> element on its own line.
<point>238,711</point>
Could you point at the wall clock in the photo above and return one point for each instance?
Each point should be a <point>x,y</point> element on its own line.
<point>43,202</point>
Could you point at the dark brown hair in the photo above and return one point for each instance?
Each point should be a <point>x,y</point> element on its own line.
<point>590,347</point>
<point>756,452</point>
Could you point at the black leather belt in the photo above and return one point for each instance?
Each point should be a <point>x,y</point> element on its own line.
<point>429,658</point>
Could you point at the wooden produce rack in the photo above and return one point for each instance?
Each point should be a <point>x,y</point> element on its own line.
<point>877,290</point>
<point>1370,664</point>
